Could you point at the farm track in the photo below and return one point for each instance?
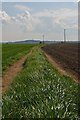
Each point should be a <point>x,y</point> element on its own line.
<point>40,91</point>
<point>12,71</point>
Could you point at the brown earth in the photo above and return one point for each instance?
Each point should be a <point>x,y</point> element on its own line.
<point>11,72</point>
<point>65,57</point>
<point>60,68</point>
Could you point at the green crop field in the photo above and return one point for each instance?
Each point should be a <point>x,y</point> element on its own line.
<point>40,91</point>
<point>13,52</point>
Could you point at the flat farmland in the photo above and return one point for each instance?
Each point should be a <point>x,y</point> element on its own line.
<point>13,52</point>
<point>37,90</point>
<point>66,54</point>
<point>40,91</point>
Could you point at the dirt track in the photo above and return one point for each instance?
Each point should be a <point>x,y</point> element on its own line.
<point>17,67</point>
<point>11,72</point>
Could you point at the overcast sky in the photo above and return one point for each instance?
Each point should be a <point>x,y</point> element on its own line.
<point>24,20</point>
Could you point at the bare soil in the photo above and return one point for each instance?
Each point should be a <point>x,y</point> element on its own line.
<point>60,68</point>
<point>65,57</point>
<point>11,73</point>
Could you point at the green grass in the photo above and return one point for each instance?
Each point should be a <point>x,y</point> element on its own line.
<point>13,52</point>
<point>39,91</point>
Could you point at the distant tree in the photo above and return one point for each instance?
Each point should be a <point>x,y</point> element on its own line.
<point>40,42</point>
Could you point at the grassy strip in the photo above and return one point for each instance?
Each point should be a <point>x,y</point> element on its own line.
<point>13,52</point>
<point>39,91</point>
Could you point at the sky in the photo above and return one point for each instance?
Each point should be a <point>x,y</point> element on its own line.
<point>40,0</point>
<point>32,20</point>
